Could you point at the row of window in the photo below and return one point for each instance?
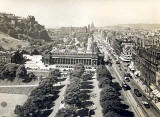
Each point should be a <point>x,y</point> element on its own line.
<point>61,66</point>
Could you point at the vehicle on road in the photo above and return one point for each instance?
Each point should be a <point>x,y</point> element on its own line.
<point>62,105</point>
<point>117,62</point>
<point>137,93</point>
<point>125,86</point>
<point>127,75</point>
<point>127,79</point>
<point>146,104</point>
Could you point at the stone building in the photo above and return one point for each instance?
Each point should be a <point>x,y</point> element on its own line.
<point>5,58</point>
<point>127,50</point>
<point>146,58</point>
<point>68,60</point>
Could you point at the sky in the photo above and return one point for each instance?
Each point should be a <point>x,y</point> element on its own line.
<point>56,13</point>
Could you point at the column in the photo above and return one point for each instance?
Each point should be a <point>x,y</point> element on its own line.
<point>90,62</point>
<point>86,61</point>
<point>76,61</point>
<point>58,60</point>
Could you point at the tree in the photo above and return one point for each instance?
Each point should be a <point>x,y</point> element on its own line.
<point>78,70</point>
<point>72,94</point>
<point>21,72</point>
<point>19,46</point>
<point>35,52</point>
<point>103,72</point>
<point>40,98</point>
<point>31,75</point>
<point>112,105</point>
<point>54,73</point>
<point>17,57</point>
<point>65,112</point>
<point>104,81</point>
<point>9,70</point>
<point>87,76</point>
<point>112,114</point>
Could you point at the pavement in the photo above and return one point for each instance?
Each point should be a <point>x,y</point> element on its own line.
<point>35,85</point>
<point>128,95</point>
<point>133,104</point>
<point>143,88</point>
<point>60,98</point>
<point>96,99</point>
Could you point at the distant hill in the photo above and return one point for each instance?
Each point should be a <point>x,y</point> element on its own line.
<point>22,28</point>
<point>135,26</point>
<point>9,43</point>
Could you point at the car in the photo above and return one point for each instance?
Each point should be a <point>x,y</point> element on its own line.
<point>117,62</point>
<point>137,93</point>
<point>62,105</point>
<point>127,75</point>
<point>146,104</point>
<point>127,79</point>
<point>125,86</point>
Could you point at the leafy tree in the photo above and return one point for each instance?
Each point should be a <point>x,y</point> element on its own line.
<point>21,72</point>
<point>78,70</point>
<point>40,99</point>
<point>112,105</point>
<point>112,114</point>
<point>9,70</point>
<point>54,73</point>
<point>65,112</point>
<point>31,75</point>
<point>17,57</point>
<point>72,94</point>
<point>104,81</point>
<point>103,72</point>
<point>87,76</point>
<point>35,52</point>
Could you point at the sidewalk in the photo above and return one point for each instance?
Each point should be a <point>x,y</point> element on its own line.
<point>143,88</point>
<point>96,99</point>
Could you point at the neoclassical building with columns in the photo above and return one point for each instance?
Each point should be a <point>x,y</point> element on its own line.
<point>68,60</point>
<point>91,57</point>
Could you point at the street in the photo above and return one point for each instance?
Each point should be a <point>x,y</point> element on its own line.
<point>134,102</point>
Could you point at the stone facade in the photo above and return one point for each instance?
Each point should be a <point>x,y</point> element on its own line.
<point>5,58</point>
<point>147,60</point>
<point>70,59</point>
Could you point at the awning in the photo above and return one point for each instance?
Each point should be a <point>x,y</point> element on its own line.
<point>152,87</point>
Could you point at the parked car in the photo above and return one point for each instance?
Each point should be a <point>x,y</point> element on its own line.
<point>125,86</point>
<point>137,93</point>
<point>117,62</point>
<point>127,75</point>
<point>146,104</point>
<point>127,79</point>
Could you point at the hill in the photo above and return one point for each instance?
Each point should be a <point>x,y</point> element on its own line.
<point>133,26</point>
<point>22,28</point>
<point>9,43</point>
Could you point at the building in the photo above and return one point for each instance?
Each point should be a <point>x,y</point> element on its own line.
<point>127,50</point>
<point>68,60</point>
<point>146,58</point>
<point>90,58</point>
<point>5,58</point>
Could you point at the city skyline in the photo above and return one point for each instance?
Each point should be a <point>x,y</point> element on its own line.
<point>54,13</point>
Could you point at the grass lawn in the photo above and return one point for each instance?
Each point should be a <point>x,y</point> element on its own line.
<point>8,103</point>
<point>16,81</point>
<point>16,90</point>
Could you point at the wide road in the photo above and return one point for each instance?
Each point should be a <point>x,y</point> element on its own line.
<point>152,112</point>
<point>138,111</point>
